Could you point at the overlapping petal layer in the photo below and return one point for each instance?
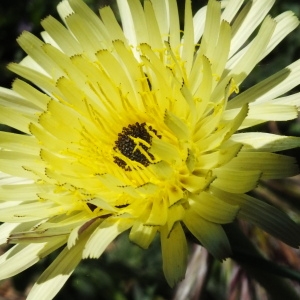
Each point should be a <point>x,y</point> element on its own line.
<point>139,127</point>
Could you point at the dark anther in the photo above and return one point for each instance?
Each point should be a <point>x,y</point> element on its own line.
<point>122,206</point>
<point>126,145</point>
<point>91,206</point>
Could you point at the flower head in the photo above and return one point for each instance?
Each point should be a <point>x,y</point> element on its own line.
<point>140,128</point>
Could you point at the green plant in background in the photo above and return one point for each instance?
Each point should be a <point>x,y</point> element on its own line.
<point>150,129</point>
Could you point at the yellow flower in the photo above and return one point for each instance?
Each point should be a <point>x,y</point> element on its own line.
<point>132,128</point>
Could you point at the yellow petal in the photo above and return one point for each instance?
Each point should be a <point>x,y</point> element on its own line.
<point>193,183</point>
<point>159,212</point>
<point>188,37</point>
<point>213,209</point>
<point>102,236</point>
<point>231,10</point>
<point>112,26</point>
<point>12,141</point>
<point>41,80</point>
<point>23,192</point>
<point>263,141</point>
<point>269,112</point>
<point>15,163</point>
<point>21,257</point>
<point>210,235</point>
<point>34,48</point>
<point>271,165</point>
<point>28,92</point>
<point>55,276</point>
<point>269,88</point>
<point>142,235</point>
<point>152,26</point>
<point>28,212</point>
<point>235,181</point>
<point>66,41</point>
<point>177,126</point>
<point>246,22</point>
<point>174,253</point>
<point>211,29</point>
<point>161,10</point>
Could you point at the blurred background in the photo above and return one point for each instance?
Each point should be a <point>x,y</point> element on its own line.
<point>125,271</point>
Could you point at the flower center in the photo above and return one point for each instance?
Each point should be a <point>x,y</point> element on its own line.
<point>133,143</point>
